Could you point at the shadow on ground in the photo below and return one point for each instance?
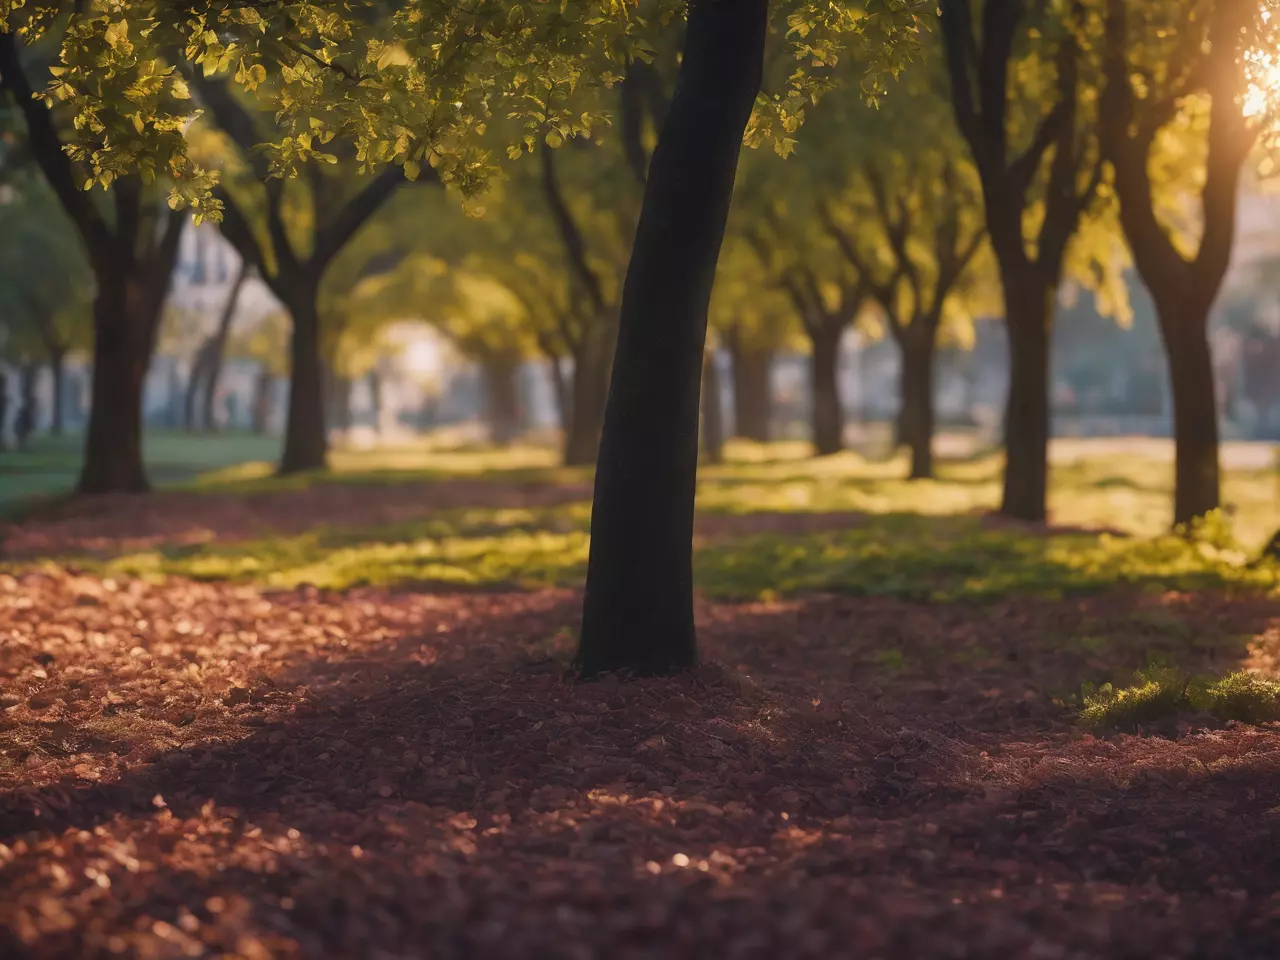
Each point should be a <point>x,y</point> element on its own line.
<point>405,775</point>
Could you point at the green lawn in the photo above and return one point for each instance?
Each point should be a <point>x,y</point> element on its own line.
<point>776,523</point>
<point>51,464</point>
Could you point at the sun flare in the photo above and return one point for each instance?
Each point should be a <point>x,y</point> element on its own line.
<point>1263,72</point>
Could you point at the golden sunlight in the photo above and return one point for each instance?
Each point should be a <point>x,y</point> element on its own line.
<point>1263,70</point>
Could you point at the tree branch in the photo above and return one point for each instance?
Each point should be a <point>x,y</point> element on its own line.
<point>46,147</point>
<point>570,235</point>
<point>237,230</point>
<point>334,235</point>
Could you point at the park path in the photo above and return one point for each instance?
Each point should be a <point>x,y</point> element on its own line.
<point>209,770</point>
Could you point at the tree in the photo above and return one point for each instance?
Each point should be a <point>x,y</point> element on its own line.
<point>1159,61</point>
<point>753,320</point>
<point>894,193</point>
<point>1040,170</point>
<point>293,267</point>
<point>131,253</point>
<point>206,370</point>
<point>826,302</point>
<point>638,606</point>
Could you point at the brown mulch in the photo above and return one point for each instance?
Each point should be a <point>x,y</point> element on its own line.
<point>205,770</point>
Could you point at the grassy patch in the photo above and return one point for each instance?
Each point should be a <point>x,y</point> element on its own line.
<point>465,548</point>
<point>1159,694</point>
<point>927,559</point>
<point>904,556</point>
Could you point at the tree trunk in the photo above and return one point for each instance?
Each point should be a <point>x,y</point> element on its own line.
<point>25,423</point>
<point>560,389</point>
<point>590,391</point>
<point>4,410</point>
<point>190,401</point>
<point>751,391</point>
<point>638,605</point>
<point>824,386</point>
<point>1195,417</point>
<point>1026,475</point>
<point>916,412</point>
<point>338,394</point>
<point>306,443</point>
<point>261,413</point>
<point>58,368</point>
<point>712,410</point>
<point>502,398</point>
<point>121,354</point>
<point>375,398</point>
<point>216,347</point>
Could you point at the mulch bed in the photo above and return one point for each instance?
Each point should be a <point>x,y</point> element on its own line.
<point>207,770</point>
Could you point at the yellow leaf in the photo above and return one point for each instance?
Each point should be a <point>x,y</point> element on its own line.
<point>411,169</point>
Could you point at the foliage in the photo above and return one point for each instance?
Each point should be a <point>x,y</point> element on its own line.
<point>1159,694</point>
<point>417,85</point>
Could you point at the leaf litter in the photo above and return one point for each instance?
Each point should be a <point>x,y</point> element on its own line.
<point>201,769</point>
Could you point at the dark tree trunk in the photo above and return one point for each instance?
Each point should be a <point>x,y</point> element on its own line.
<point>560,388</point>
<point>917,412</point>
<point>712,410</point>
<point>590,390</point>
<point>502,398</point>
<point>638,606</point>
<point>1195,418</point>
<point>216,349</point>
<point>1026,475</point>
<point>191,400</point>
<point>824,386</point>
<point>121,355</point>
<point>338,401</point>
<point>24,423</point>
<point>375,398</point>
<point>751,392</point>
<point>306,442</point>
<point>4,409</point>
<point>261,413</point>
<point>58,368</point>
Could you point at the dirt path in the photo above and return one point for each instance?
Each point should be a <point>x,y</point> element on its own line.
<point>204,770</point>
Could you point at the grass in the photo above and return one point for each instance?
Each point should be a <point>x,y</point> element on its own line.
<point>1160,694</point>
<point>50,466</point>
<point>922,541</point>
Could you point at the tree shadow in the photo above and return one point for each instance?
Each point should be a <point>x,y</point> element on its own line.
<point>447,793</point>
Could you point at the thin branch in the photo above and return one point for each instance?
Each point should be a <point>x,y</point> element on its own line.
<point>575,244</point>
<point>334,235</point>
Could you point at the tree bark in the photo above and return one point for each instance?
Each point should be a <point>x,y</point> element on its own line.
<point>121,354</point>
<point>712,410</point>
<point>1027,409</point>
<point>1197,473</point>
<point>638,606</point>
<point>827,415</point>
<point>306,441</point>
<point>502,398</point>
<point>917,414</point>
<point>751,391</point>
<point>58,369</point>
